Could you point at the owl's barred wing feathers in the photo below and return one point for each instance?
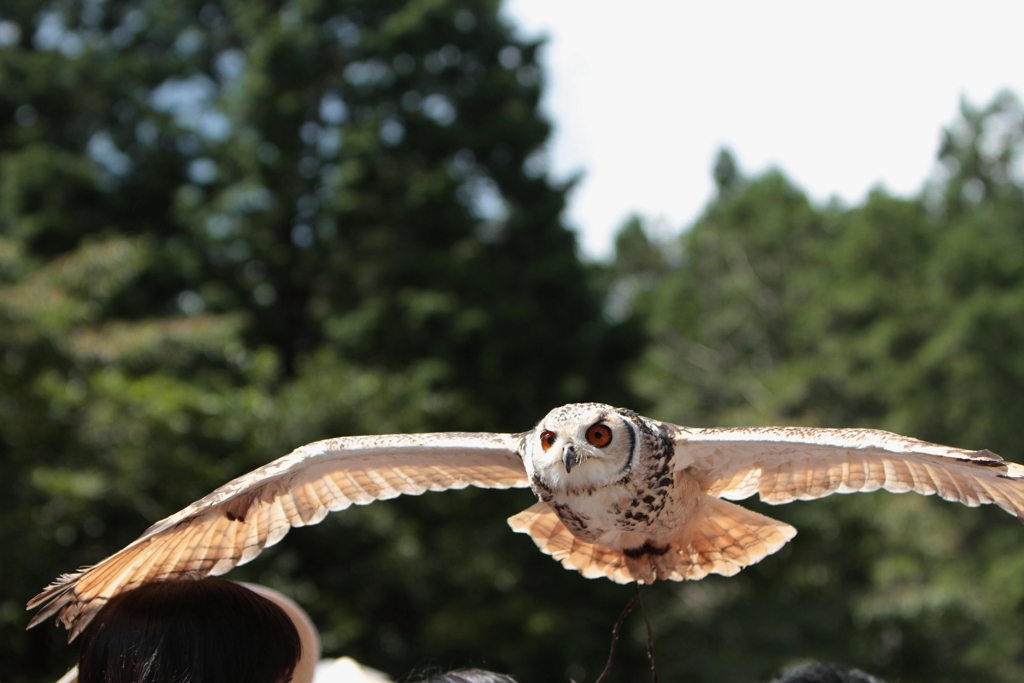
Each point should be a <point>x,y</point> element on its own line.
<point>783,464</point>
<point>233,524</point>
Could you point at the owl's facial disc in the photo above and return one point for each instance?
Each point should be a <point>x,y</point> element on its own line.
<point>583,445</point>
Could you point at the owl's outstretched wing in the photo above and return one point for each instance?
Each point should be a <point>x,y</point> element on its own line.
<point>783,464</point>
<point>233,524</point>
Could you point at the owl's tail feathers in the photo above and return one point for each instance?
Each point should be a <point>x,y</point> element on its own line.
<point>722,540</point>
<point>551,536</point>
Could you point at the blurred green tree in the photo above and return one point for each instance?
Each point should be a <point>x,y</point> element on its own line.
<point>900,314</point>
<point>229,228</point>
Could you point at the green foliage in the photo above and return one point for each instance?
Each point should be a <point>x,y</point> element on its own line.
<point>901,314</point>
<point>231,228</point>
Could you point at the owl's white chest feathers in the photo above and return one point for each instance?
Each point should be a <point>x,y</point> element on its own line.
<point>628,515</point>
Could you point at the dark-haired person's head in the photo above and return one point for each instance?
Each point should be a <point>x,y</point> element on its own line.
<point>826,673</point>
<point>204,631</point>
<point>469,676</point>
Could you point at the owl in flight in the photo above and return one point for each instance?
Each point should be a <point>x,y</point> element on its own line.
<point>620,495</point>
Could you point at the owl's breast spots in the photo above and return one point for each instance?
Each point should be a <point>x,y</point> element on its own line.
<point>575,521</point>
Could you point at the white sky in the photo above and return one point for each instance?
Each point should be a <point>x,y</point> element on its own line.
<point>841,96</point>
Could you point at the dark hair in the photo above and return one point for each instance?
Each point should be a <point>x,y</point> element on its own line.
<point>826,673</point>
<point>189,631</point>
<point>469,676</point>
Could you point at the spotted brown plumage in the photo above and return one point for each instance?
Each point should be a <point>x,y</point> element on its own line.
<point>620,495</point>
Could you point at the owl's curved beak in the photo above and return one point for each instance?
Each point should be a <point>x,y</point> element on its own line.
<point>571,457</point>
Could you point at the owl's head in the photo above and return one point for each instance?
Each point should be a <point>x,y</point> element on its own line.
<point>583,445</point>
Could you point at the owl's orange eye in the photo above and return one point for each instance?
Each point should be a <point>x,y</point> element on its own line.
<point>599,435</point>
<point>547,439</point>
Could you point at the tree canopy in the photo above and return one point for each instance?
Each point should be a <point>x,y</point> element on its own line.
<point>898,313</point>
<point>230,228</point>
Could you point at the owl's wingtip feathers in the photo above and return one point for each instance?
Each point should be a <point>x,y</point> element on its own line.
<point>55,599</point>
